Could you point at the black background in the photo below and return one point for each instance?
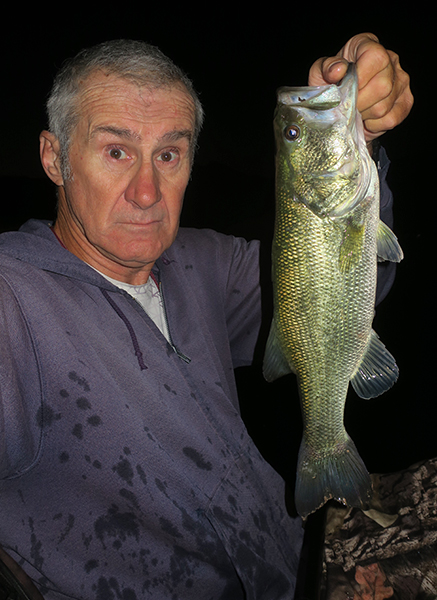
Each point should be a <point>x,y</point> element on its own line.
<point>237,60</point>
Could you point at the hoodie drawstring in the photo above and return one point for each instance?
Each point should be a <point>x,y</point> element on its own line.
<point>126,321</point>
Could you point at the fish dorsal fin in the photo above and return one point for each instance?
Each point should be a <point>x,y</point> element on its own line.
<point>388,247</point>
<point>377,371</point>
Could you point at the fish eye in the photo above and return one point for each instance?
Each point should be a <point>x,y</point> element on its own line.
<point>292,133</point>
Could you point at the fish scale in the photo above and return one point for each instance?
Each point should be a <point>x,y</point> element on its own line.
<point>311,318</point>
<point>324,264</point>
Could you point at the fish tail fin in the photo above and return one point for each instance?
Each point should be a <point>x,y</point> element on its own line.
<point>339,474</point>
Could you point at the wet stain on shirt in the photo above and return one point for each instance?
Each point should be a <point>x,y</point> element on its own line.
<point>168,388</point>
<point>162,486</point>
<point>117,525</point>
<point>45,415</point>
<point>169,528</point>
<point>69,526</point>
<point>142,474</point>
<point>78,431</point>
<point>83,403</point>
<point>90,565</point>
<point>64,457</point>
<point>130,497</point>
<point>81,381</point>
<point>109,589</point>
<point>36,547</point>
<point>96,463</point>
<point>124,470</point>
<point>197,458</point>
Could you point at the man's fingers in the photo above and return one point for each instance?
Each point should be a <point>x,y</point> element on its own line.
<point>384,95</point>
<point>327,70</point>
<point>378,125</point>
<point>379,92</point>
<point>386,100</point>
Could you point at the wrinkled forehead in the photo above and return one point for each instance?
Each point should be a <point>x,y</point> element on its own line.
<point>107,93</point>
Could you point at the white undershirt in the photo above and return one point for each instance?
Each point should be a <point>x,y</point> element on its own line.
<point>149,298</point>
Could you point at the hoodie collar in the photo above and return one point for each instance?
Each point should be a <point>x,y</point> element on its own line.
<point>37,244</point>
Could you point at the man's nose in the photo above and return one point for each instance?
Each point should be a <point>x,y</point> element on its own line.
<point>144,187</point>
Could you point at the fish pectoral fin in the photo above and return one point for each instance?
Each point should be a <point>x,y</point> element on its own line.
<point>377,371</point>
<point>275,364</point>
<point>388,247</point>
<point>351,247</point>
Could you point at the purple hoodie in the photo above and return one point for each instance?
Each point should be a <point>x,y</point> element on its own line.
<point>126,470</point>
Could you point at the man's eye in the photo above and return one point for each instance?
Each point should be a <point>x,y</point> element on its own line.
<point>117,153</point>
<point>167,156</point>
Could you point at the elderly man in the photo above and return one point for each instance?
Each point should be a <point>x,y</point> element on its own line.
<point>125,468</point>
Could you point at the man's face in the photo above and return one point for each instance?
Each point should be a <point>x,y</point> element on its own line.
<point>130,160</point>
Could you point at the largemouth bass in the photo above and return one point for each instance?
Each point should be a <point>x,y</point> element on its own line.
<point>328,238</point>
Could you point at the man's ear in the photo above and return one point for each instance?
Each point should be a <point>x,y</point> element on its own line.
<point>49,151</point>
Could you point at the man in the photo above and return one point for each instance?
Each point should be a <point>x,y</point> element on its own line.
<point>126,470</point>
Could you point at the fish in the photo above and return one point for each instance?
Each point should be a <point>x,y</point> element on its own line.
<point>327,241</point>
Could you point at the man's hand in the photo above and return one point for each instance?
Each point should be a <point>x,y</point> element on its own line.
<point>384,95</point>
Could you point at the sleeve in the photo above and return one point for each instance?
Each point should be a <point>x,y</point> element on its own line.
<point>387,269</point>
<point>243,301</point>
<point>19,389</point>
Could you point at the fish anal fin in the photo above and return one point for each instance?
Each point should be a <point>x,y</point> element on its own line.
<point>337,473</point>
<point>377,371</point>
<point>275,364</point>
<point>388,247</point>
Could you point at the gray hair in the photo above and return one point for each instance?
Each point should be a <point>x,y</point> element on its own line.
<point>133,60</point>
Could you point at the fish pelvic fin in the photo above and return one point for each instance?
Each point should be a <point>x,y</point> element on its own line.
<point>377,371</point>
<point>388,247</point>
<point>338,473</point>
<point>275,365</point>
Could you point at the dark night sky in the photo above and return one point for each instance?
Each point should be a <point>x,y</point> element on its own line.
<point>237,62</point>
